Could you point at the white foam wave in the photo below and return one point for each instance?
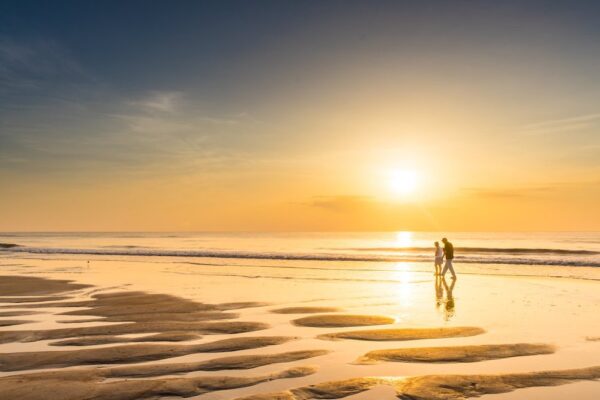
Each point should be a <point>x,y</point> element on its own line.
<point>488,259</point>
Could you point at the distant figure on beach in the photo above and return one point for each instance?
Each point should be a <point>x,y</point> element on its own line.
<point>449,255</point>
<point>439,258</point>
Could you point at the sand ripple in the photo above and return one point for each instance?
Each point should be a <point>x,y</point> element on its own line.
<point>158,337</point>
<point>127,353</point>
<point>335,321</point>
<point>305,310</point>
<point>435,387</point>
<point>140,312</point>
<point>456,353</point>
<point>86,384</point>
<point>166,318</point>
<point>32,286</point>
<point>405,334</point>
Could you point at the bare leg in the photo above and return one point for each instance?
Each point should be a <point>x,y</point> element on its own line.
<point>438,266</point>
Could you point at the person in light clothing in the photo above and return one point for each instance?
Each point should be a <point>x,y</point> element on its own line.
<point>449,255</point>
<point>439,258</point>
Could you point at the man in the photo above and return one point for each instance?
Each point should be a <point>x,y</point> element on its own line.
<point>449,254</point>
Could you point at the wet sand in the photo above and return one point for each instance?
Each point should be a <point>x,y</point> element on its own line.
<point>158,337</point>
<point>305,310</point>
<point>434,387</point>
<point>110,335</point>
<point>127,353</point>
<point>335,321</point>
<point>32,286</point>
<point>404,334</point>
<point>456,353</point>
<point>75,385</point>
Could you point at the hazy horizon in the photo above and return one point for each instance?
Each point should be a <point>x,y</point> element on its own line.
<point>298,232</point>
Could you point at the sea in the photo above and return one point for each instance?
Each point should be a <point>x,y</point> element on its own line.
<point>525,249</point>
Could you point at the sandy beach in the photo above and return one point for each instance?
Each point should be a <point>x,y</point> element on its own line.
<point>140,328</point>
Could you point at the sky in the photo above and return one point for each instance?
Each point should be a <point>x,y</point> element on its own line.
<point>299,115</point>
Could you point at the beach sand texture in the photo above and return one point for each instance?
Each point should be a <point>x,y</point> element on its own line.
<point>86,339</point>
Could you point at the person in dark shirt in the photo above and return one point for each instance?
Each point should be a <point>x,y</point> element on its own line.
<point>449,255</point>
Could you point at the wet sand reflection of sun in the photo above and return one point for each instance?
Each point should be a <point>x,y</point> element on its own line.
<point>402,275</point>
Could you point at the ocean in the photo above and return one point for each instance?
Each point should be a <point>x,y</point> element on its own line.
<point>564,249</point>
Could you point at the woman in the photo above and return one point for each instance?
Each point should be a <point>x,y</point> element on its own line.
<point>439,259</point>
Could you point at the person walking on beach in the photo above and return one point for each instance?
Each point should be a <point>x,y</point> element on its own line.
<point>439,258</point>
<point>449,254</point>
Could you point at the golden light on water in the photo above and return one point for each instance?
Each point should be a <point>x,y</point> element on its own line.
<point>402,275</point>
<point>404,239</point>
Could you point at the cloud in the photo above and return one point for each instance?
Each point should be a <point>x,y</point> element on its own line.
<point>166,109</point>
<point>165,102</point>
<point>561,125</point>
<point>508,193</point>
<point>35,64</point>
<point>56,117</point>
<point>221,121</point>
<point>340,203</point>
<point>164,119</point>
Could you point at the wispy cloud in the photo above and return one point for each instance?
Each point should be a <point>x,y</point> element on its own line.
<point>56,117</point>
<point>508,193</point>
<point>166,102</point>
<point>561,125</point>
<point>168,118</point>
<point>341,203</point>
<point>35,63</point>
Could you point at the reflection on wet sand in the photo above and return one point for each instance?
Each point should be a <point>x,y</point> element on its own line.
<point>445,304</point>
<point>173,320</point>
<point>439,292</point>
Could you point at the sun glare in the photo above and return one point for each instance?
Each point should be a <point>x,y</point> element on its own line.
<point>403,182</point>
<point>404,239</point>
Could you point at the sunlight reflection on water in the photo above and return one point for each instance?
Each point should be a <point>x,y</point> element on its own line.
<point>402,274</point>
<point>404,239</point>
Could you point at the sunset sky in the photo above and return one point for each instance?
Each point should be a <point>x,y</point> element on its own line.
<point>300,116</point>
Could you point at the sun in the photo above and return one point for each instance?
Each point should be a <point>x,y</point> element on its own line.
<point>403,182</point>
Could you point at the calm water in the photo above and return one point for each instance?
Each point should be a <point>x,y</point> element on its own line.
<point>511,249</point>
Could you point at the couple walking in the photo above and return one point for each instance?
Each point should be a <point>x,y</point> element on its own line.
<point>448,253</point>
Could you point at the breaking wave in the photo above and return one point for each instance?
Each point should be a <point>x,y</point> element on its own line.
<point>475,255</point>
<point>480,250</point>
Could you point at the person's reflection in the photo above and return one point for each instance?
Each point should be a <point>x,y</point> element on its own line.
<point>449,303</point>
<point>445,305</point>
<point>439,292</point>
